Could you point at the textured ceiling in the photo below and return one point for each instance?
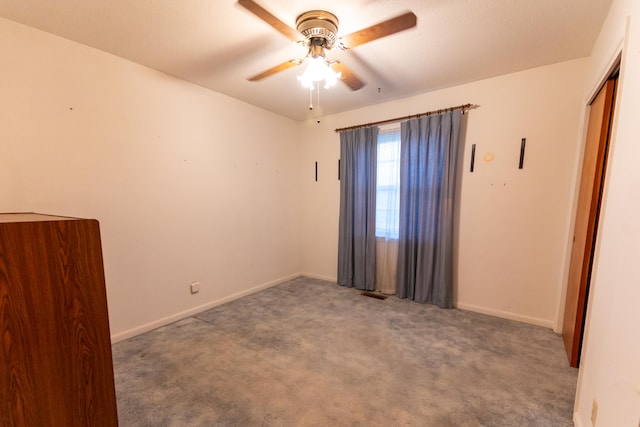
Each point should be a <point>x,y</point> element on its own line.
<point>217,44</point>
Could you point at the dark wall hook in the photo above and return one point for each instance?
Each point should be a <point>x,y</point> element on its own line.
<point>473,157</point>
<point>523,143</point>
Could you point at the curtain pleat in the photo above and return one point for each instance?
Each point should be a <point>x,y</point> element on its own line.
<point>428,170</point>
<point>356,239</point>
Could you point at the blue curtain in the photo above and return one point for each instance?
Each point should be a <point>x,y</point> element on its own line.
<point>357,226</point>
<point>429,155</point>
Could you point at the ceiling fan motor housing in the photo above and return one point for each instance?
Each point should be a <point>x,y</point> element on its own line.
<point>318,24</point>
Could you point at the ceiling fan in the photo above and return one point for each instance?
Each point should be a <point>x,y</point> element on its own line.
<point>318,31</point>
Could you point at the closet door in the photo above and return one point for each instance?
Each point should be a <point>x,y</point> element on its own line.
<point>588,211</point>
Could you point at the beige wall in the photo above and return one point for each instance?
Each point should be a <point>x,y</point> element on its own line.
<point>513,223</point>
<point>184,189</point>
<point>610,368</point>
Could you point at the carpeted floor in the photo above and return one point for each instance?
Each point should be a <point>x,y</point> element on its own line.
<point>312,353</point>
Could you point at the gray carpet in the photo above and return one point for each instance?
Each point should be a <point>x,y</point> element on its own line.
<point>312,353</point>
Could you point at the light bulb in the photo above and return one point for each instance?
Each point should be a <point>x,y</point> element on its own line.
<point>318,69</point>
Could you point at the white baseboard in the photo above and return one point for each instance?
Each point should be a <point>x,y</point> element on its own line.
<point>507,315</point>
<point>576,420</point>
<point>320,277</point>
<point>475,308</point>
<point>195,310</point>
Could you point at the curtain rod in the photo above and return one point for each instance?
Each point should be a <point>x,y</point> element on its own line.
<point>397,119</point>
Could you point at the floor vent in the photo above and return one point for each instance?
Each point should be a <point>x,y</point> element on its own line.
<point>374,295</point>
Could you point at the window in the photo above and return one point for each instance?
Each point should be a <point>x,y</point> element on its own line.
<point>388,183</point>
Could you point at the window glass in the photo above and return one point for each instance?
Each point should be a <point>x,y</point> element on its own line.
<point>388,183</point>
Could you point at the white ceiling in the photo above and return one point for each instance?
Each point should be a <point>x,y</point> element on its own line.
<point>217,44</point>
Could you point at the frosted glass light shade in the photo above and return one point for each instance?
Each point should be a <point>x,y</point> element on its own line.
<point>318,69</point>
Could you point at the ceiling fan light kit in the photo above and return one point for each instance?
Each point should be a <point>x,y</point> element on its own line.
<point>319,31</point>
<point>318,67</point>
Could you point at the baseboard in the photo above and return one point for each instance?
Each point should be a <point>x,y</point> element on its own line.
<point>320,277</point>
<point>507,315</point>
<point>130,333</point>
<point>576,420</point>
<point>195,310</point>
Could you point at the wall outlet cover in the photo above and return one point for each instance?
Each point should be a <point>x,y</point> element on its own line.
<point>195,287</point>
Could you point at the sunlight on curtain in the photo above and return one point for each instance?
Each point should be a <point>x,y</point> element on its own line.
<point>387,207</point>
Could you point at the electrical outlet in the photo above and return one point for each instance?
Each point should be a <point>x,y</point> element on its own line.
<point>594,412</point>
<point>195,287</point>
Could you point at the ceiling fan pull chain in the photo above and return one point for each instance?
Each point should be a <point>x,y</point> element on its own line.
<point>311,98</point>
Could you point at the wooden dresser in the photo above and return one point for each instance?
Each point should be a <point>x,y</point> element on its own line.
<point>55,350</point>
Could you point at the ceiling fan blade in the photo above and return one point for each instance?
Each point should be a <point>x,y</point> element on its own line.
<point>267,17</point>
<point>383,29</point>
<point>348,77</point>
<point>276,69</point>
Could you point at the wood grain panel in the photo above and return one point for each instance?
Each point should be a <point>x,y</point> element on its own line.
<point>585,228</point>
<point>56,346</point>
<point>19,345</point>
